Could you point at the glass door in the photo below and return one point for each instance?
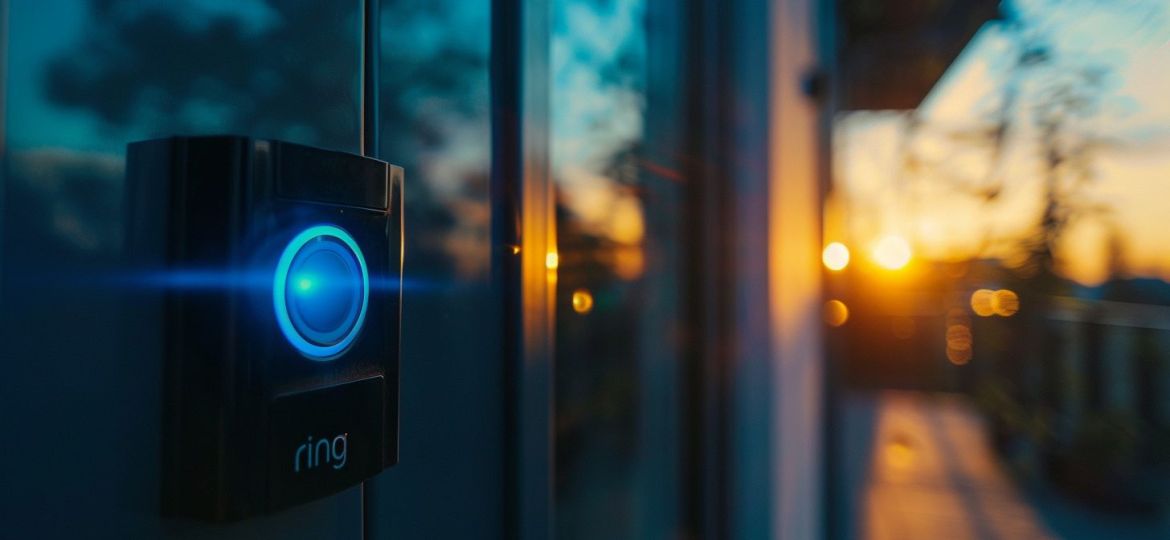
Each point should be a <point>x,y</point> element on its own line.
<point>83,80</point>
<point>436,102</point>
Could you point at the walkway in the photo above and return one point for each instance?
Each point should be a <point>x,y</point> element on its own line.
<point>928,473</point>
<point>918,467</point>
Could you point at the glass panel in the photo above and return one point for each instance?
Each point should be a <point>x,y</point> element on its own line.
<point>1009,249</point>
<point>83,80</point>
<point>610,330</point>
<point>435,123</point>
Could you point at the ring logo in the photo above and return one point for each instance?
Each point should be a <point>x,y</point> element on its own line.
<point>310,455</point>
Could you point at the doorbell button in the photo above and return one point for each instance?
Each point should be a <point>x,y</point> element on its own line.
<point>321,291</point>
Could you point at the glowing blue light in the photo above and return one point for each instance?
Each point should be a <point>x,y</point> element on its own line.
<point>327,313</point>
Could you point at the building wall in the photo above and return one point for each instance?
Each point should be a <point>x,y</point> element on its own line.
<point>794,289</point>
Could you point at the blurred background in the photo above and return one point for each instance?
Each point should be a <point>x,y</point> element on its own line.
<point>996,262</point>
<point>836,269</point>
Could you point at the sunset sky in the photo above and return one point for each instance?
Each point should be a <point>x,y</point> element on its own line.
<point>1129,41</point>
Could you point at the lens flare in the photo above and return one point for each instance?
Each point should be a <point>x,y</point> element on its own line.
<point>892,252</point>
<point>835,256</point>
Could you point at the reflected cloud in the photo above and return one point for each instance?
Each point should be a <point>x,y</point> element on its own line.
<point>75,196</point>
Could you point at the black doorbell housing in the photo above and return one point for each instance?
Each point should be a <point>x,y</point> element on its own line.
<point>282,267</point>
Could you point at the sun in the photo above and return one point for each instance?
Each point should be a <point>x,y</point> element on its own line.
<point>835,256</point>
<point>892,252</point>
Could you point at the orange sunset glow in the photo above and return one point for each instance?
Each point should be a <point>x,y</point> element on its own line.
<point>932,175</point>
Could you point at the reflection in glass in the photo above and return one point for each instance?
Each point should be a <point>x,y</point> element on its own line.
<point>435,123</point>
<point>598,103</point>
<point>84,79</point>
<point>84,82</point>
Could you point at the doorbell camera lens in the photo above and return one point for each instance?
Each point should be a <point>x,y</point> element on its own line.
<point>324,291</point>
<point>321,291</point>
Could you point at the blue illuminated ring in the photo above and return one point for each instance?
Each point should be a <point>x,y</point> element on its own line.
<point>316,351</point>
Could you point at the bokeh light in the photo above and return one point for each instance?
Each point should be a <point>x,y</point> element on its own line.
<point>959,341</point>
<point>835,256</point>
<point>1005,303</point>
<point>582,301</point>
<point>959,337</point>
<point>892,252</point>
<point>836,313</point>
<point>958,357</point>
<point>552,260</point>
<point>982,302</point>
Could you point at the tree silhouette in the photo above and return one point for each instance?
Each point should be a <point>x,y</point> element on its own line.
<point>292,73</point>
<point>160,70</point>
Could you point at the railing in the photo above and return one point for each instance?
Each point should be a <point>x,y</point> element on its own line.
<point>1112,357</point>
